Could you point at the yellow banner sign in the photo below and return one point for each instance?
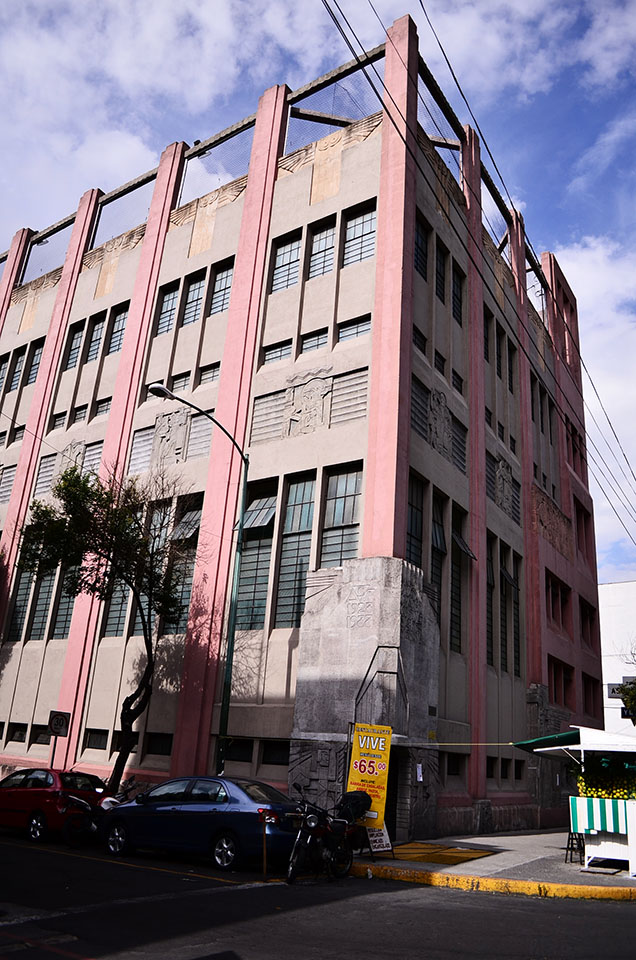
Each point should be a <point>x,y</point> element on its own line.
<point>369,768</point>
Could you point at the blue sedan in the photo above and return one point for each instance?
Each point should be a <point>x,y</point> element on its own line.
<point>213,816</point>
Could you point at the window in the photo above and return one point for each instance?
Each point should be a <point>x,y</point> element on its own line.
<point>504,591</point>
<point>440,272</point>
<point>58,420</point>
<point>4,366</point>
<point>209,373</point>
<point>487,326</point>
<point>415,520</point>
<point>185,569</point>
<point>102,407</point>
<point>36,359</point>
<point>491,476</point>
<point>3,437</point>
<point>16,733</point>
<point>74,345</point>
<point>79,413</point>
<point>419,340</point>
<point>488,415</point>
<point>591,698</point>
<point>341,520</point>
<point>193,298</point>
<point>504,768</point>
<point>420,404</point>
<point>277,351</point>
<point>438,552</point>
<point>501,432</point>
<point>499,345</point>
<point>63,615</point>
<point>440,362</point>
<point>118,321</point>
<point>511,367</point>
<point>95,739</point>
<point>558,603</point>
<point>561,683</point>
<point>141,450</point>
<point>46,470</point>
<point>168,297</point>
<point>313,341</point>
<point>457,382</point>
<point>40,734</point>
<point>286,263</point>
<point>587,623</point>
<point>255,562</point>
<point>515,501</point>
<point>491,767</point>
<point>6,483</point>
<point>513,444</point>
<point>18,363</point>
<point>422,234</point>
<point>92,457</point>
<point>117,742</point>
<point>516,615</point>
<point>21,593</point>
<point>455,617</point>
<point>457,294</point>
<point>519,769</point>
<point>583,522</point>
<point>459,434</point>
<point>350,329</point>
<point>321,259</point>
<point>115,619</point>
<point>95,337</point>
<point>222,288</point>
<point>160,744</point>
<point>239,749</point>
<point>490,602</point>
<point>180,382</point>
<point>18,434</point>
<point>200,436</point>
<point>359,241</point>
<point>294,554</point>
<point>453,764</point>
<point>275,752</point>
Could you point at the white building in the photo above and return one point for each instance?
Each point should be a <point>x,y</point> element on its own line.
<point>617,609</point>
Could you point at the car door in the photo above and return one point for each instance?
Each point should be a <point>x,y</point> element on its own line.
<point>206,810</point>
<point>154,820</point>
<point>39,795</point>
<point>12,798</point>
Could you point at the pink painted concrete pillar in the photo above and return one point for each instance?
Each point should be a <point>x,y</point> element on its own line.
<point>387,466</point>
<point>477,668</point>
<point>531,560</point>
<point>86,611</point>
<point>44,384</point>
<point>12,269</point>
<point>211,583</point>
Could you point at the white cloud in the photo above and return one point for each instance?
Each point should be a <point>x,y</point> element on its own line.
<point>603,152</point>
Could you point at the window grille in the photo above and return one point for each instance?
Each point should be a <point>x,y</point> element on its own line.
<point>4,366</point>
<point>36,359</point>
<point>490,598</point>
<point>167,308</point>
<point>222,289</point>
<point>193,300</point>
<point>252,588</point>
<point>92,457</point>
<point>6,483</point>
<point>457,294</point>
<point>294,556</point>
<point>41,604</point>
<point>187,526</point>
<point>63,615</point>
<point>350,329</point>
<point>46,470</point>
<point>117,332</point>
<point>503,622</point>
<point>18,433</point>
<point>321,259</point>
<point>210,373</point>
<point>440,272</point>
<point>277,351</point>
<point>141,450</point>
<point>420,405</point>
<point>22,592</point>
<point>259,513</point>
<point>313,341</point>
<point>455,618</point>
<point>267,417</point>
<point>95,339</point>
<point>74,346</point>
<point>511,368</point>
<point>117,606</point>
<point>359,237</point>
<point>349,397</point>
<point>457,381</point>
<point>185,566</point>
<point>515,510</point>
<point>200,436</point>
<point>341,521</point>
<point>180,382</point>
<point>3,437</point>
<point>415,520</point>
<point>486,336</point>
<point>58,420</point>
<point>501,433</point>
<point>440,362</point>
<point>18,363</point>
<point>488,415</point>
<point>422,234</point>
<point>102,407</point>
<point>499,348</point>
<point>491,476</point>
<point>286,264</point>
<point>79,413</point>
<point>95,739</point>
<point>419,340</point>
<point>516,618</point>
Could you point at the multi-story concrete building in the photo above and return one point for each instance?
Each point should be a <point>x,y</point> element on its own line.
<point>419,545</point>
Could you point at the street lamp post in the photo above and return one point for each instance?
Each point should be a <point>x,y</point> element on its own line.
<point>158,390</point>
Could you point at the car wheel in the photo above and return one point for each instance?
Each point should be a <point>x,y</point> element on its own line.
<point>37,826</point>
<point>117,839</point>
<point>226,851</point>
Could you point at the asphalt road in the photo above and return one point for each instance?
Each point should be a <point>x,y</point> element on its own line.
<point>81,905</point>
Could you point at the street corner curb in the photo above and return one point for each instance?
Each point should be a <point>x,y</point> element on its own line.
<point>528,888</point>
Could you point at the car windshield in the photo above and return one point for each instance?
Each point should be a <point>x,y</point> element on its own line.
<point>82,781</point>
<point>262,792</point>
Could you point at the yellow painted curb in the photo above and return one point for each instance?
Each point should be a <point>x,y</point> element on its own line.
<point>529,888</point>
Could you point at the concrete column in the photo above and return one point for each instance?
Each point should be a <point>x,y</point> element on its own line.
<point>387,466</point>
<point>476,653</point>
<point>211,583</point>
<point>44,385</point>
<point>12,269</point>
<point>86,611</point>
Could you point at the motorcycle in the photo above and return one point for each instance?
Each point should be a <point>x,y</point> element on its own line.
<point>84,818</point>
<point>326,841</point>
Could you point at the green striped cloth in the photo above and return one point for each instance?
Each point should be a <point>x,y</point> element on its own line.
<point>595,813</point>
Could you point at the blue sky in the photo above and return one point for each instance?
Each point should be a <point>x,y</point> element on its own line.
<point>92,92</point>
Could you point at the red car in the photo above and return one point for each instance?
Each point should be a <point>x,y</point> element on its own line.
<point>37,799</point>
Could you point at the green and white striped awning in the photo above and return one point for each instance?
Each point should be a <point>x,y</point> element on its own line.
<point>589,814</point>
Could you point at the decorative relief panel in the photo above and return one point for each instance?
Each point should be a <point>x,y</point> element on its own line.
<point>112,248</point>
<point>503,486</point>
<point>169,439</point>
<point>445,184</point>
<point>307,406</point>
<point>32,290</point>
<point>71,456</point>
<point>296,160</point>
<point>361,605</point>
<point>440,433</point>
<point>551,523</point>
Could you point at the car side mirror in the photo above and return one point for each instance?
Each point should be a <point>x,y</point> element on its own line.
<point>141,798</point>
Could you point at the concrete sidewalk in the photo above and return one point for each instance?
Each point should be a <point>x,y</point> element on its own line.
<point>529,863</point>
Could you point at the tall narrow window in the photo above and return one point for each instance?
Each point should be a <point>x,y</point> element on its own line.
<point>458,294</point>
<point>438,552</point>
<point>420,407</point>
<point>499,345</point>
<point>41,603</point>
<point>255,563</point>
<point>359,241</point>
<point>4,366</point>
<point>141,450</point>
<point>36,359</point>
<point>286,263</point>
<point>422,234</point>
<point>6,483</point>
<point>193,299</point>
<point>440,272</point>
<point>490,603</point>
<point>414,521</point>
<point>46,470</point>
<point>200,436</point>
<point>92,457</point>
<point>341,523</point>
<point>18,363</point>
<point>511,367</point>
<point>168,297</point>
<point>117,330</point>
<point>294,555</point>
<point>322,251</point>
<point>74,346</point>
<point>516,617</point>
<point>487,325</point>
<point>21,595</point>
<point>63,614</point>
<point>115,620</point>
<point>222,288</point>
<point>95,337</point>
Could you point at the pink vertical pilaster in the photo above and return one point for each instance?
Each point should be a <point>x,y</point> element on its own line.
<point>44,385</point>
<point>530,540</point>
<point>211,583</point>
<point>84,624</point>
<point>12,269</point>
<point>387,467</point>
<point>477,669</point>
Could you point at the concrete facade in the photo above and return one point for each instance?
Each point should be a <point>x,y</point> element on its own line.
<point>617,602</point>
<point>419,545</point>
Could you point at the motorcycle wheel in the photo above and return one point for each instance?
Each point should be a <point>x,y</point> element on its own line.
<point>341,859</point>
<point>295,862</point>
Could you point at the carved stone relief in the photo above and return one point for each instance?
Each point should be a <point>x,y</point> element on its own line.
<point>170,435</point>
<point>325,181</point>
<point>307,406</point>
<point>32,290</point>
<point>362,130</point>
<point>71,456</point>
<point>112,248</point>
<point>503,486</point>
<point>440,424</point>
<point>294,161</point>
<point>553,525</point>
<point>361,605</point>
